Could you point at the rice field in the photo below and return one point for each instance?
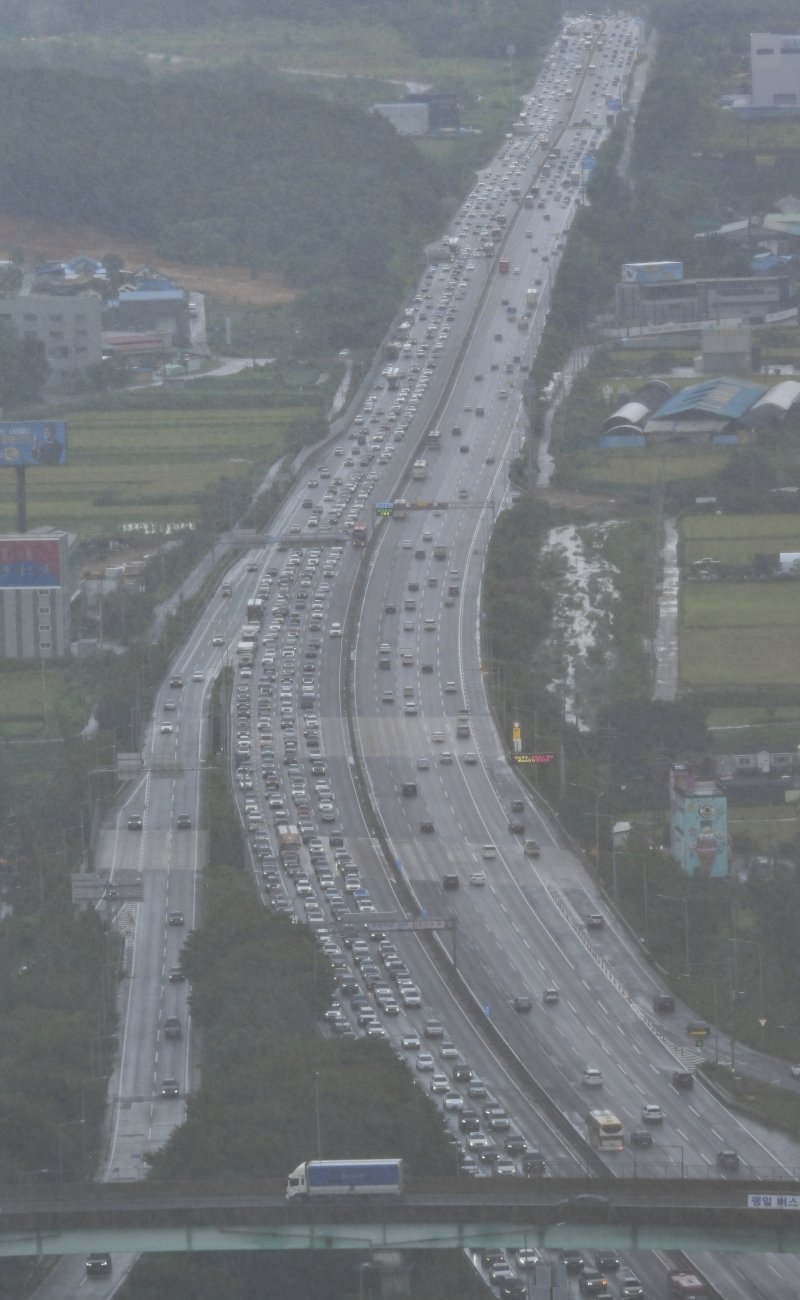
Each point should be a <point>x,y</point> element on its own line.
<point>736,539</point>
<point>740,634</point>
<point>644,466</point>
<point>29,701</point>
<point>146,467</point>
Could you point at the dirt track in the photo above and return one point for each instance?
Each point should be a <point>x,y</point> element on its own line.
<point>44,240</point>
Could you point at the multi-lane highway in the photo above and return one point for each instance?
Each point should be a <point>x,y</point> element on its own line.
<point>393,630</point>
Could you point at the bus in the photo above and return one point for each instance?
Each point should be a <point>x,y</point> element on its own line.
<point>434,439</point>
<point>503,266</point>
<point>358,536</point>
<point>254,610</point>
<point>605,1130</point>
<point>400,508</point>
<point>419,470</point>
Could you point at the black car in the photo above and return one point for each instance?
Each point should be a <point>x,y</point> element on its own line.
<point>572,1260</point>
<point>641,1137</point>
<point>513,1288</point>
<point>592,1283</point>
<point>98,1263</point>
<point>534,1164</point>
<point>606,1261</point>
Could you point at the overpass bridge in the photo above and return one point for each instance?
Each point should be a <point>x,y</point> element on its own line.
<point>440,1214</point>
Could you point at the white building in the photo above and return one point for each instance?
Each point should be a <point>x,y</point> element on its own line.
<point>775,70</point>
<point>69,328</point>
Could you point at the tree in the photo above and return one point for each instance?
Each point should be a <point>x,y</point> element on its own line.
<point>744,484</point>
<point>115,272</point>
<point>23,367</point>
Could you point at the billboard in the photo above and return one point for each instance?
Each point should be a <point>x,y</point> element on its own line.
<point>651,272</point>
<point>30,561</point>
<point>33,442</point>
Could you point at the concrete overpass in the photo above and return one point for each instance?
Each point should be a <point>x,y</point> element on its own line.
<point>436,1214</point>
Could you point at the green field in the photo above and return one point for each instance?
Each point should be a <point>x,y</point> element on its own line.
<point>736,539</point>
<point>727,605</point>
<point>754,657</point>
<point>765,824</point>
<point>646,466</point>
<point>342,60</point>
<point>128,467</point>
<point>28,702</point>
<point>733,717</point>
<point>739,634</point>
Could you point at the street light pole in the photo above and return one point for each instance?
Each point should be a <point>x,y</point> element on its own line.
<point>316,1113</point>
<point>676,898</point>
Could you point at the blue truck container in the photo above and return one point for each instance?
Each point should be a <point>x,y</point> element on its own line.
<point>346,1177</point>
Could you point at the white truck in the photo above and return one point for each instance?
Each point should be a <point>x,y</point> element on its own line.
<point>316,1178</point>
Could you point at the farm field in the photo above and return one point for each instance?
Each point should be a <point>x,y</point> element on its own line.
<point>28,702</point>
<point>147,467</point>
<point>644,466</point>
<point>736,539</point>
<point>734,718</point>
<point>764,824</point>
<point>739,634</point>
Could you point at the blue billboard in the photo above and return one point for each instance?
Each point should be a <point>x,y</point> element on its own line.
<point>33,442</point>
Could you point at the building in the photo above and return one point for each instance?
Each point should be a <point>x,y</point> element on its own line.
<point>69,328</point>
<point>149,303</point>
<point>698,817</point>
<point>407,119</point>
<point>712,412</point>
<point>443,114</point>
<point>35,586</point>
<point>775,71</point>
<point>726,350</point>
<point>691,302</point>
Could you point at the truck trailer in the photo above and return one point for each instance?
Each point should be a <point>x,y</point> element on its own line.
<point>315,1178</point>
<point>691,1285</point>
<point>288,838</point>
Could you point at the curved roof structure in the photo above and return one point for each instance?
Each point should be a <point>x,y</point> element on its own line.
<point>775,403</point>
<point>632,415</point>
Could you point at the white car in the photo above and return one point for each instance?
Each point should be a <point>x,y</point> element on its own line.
<point>478,878</point>
<point>335,630</point>
<point>652,1114</point>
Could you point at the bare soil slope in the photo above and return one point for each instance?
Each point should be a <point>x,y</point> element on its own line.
<point>44,240</point>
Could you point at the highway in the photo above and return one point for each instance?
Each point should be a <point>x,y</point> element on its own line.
<point>329,607</point>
